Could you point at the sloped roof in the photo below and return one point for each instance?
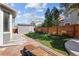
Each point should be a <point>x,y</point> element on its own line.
<point>8,8</point>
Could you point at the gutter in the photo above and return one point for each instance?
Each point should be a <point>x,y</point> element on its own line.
<point>8,8</point>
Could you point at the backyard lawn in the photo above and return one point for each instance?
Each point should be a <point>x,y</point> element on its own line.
<point>52,41</point>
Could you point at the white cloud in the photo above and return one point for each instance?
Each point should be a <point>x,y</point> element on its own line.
<point>18,16</point>
<point>19,12</point>
<point>44,5</point>
<point>12,4</point>
<point>33,5</point>
<point>40,10</point>
<point>58,7</point>
<point>41,17</point>
<point>38,6</point>
<point>28,17</point>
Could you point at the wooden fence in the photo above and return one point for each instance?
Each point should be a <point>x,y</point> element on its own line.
<point>15,30</point>
<point>70,30</point>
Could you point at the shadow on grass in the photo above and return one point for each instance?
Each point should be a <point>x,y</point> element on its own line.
<point>58,42</point>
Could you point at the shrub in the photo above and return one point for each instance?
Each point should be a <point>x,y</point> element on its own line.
<point>65,35</point>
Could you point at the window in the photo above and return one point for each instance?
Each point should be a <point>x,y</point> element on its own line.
<point>6,27</point>
<point>78,14</point>
<point>69,16</point>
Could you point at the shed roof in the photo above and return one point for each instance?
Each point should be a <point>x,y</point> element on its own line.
<point>25,25</point>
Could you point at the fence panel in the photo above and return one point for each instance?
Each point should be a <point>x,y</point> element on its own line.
<point>77,30</point>
<point>71,30</point>
<point>54,30</point>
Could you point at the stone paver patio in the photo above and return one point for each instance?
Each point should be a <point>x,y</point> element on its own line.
<point>14,50</point>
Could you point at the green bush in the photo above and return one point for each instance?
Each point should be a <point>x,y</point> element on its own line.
<point>54,41</point>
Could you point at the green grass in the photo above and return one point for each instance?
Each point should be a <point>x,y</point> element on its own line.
<point>53,42</point>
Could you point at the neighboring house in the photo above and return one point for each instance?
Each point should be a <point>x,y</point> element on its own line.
<point>25,28</point>
<point>72,17</point>
<point>7,15</point>
<point>61,19</point>
<point>38,23</point>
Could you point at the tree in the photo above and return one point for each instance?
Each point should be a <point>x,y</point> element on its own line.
<point>69,6</point>
<point>65,5</point>
<point>56,14</point>
<point>51,18</point>
<point>56,20</point>
<point>48,18</point>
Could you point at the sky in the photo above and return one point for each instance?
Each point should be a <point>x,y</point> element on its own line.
<point>27,12</point>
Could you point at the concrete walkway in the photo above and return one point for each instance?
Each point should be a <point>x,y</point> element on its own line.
<point>14,50</point>
<point>17,40</point>
<point>72,47</point>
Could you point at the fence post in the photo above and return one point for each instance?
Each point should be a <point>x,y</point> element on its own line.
<point>57,29</point>
<point>74,30</point>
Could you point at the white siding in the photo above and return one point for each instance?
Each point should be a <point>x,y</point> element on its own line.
<point>25,29</point>
<point>10,26</point>
<point>72,18</point>
<point>6,38</point>
<point>1,27</point>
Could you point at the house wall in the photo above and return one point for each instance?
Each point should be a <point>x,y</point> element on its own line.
<point>72,18</point>
<point>1,27</point>
<point>25,29</point>
<point>5,36</point>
